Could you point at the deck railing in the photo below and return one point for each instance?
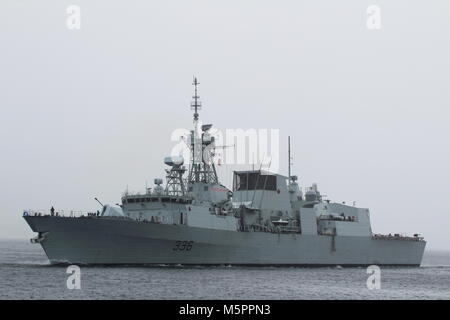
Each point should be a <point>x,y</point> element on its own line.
<point>397,236</point>
<point>60,213</point>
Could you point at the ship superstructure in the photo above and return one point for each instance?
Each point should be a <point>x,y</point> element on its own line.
<point>264,220</point>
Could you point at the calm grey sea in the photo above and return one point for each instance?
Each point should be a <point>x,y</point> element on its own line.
<point>25,273</point>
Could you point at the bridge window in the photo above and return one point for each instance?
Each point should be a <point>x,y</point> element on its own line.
<point>254,181</point>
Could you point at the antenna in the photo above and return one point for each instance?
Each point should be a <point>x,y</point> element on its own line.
<point>257,178</point>
<point>289,158</point>
<point>196,104</point>
<point>202,145</point>
<point>264,188</point>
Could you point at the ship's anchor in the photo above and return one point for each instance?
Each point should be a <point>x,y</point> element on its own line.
<point>39,238</point>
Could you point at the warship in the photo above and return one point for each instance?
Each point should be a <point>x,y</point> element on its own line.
<point>193,219</point>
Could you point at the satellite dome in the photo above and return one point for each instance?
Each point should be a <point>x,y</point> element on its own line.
<point>174,161</point>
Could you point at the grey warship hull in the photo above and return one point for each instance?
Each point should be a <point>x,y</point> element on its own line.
<point>122,241</point>
<point>265,219</point>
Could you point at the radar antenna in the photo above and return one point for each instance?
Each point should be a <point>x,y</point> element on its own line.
<point>202,145</point>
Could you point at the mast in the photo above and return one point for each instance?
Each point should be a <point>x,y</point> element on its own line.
<point>202,146</point>
<point>196,105</point>
<point>289,159</point>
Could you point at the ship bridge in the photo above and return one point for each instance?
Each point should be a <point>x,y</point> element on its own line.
<point>262,190</point>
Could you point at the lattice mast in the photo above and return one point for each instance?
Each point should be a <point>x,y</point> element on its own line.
<point>202,167</point>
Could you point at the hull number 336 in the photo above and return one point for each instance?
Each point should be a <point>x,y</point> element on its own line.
<point>183,245</point>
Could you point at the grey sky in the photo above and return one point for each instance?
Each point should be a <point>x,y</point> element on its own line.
<point>85,113</point>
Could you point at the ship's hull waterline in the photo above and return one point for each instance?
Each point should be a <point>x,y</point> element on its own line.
<point>122,241</point>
